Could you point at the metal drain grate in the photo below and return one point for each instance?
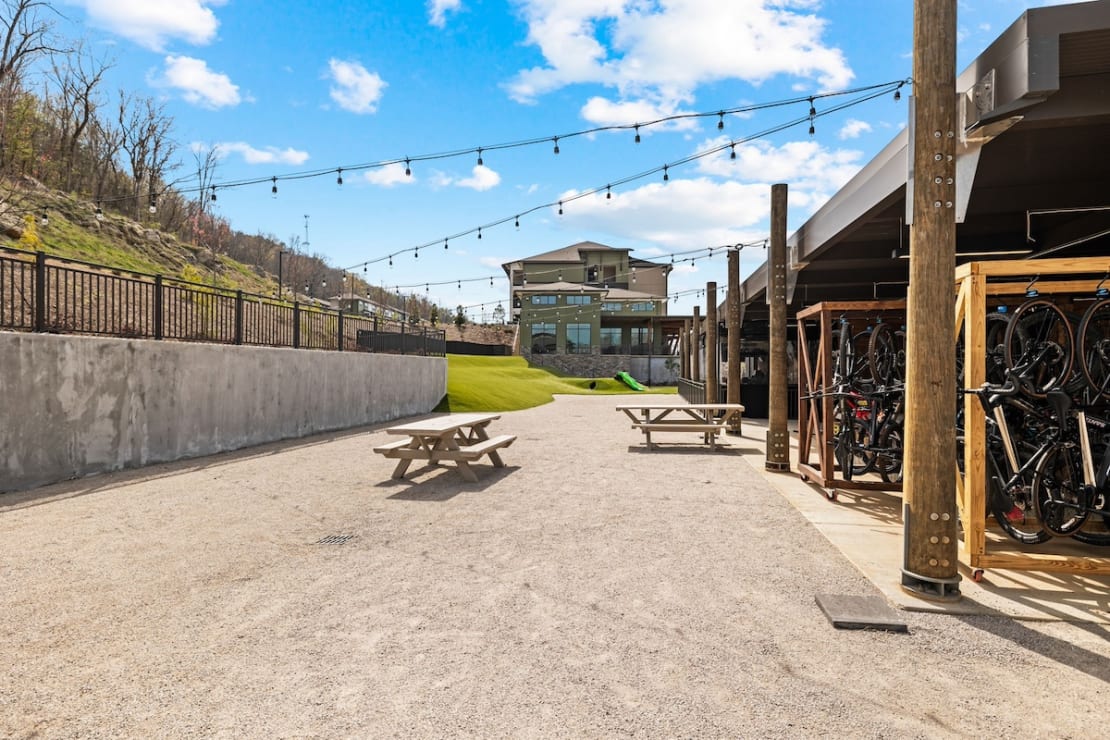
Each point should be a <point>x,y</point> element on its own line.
<point>334,539</point>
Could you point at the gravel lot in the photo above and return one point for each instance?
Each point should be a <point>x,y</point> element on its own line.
<point>589,589</point>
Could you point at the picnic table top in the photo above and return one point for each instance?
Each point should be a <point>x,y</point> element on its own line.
<point>442,424</point>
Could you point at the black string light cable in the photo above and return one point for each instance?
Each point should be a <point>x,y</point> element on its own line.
<point>690,255</point>
<point>879,89</point>
<point>809,118</point>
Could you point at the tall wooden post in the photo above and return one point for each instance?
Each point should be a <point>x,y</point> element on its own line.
<point>712,369</point>
<point>685,344</point>
<point>732,390</point>
<point>929,493</point>
<point>695,346</point>
<point>778,439</point>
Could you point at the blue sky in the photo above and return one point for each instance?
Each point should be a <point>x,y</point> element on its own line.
<point>282,87</point>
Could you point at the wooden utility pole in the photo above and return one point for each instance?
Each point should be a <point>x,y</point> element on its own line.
<point>778,439</point>
<point>695,346</point>
<point>929,493</point>
<point>685,344</point>
<point>732,391</point>
<point>712,374</point>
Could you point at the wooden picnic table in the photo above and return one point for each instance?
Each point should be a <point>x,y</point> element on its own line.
<point>460,438</point>
<point>710,419</point>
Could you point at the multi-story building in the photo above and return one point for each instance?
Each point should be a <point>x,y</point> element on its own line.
<point>589,298</point>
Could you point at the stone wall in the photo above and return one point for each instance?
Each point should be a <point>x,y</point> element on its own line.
<point>649,370</point>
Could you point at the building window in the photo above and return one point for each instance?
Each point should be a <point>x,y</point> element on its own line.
<point>578,338</point>
<point>543,339</point>
<point>543,300</point>
<point>610,340</point>
<point>641,340</point>
<point>642,306</point>
<point>579,300</point>
<point>612,306</point>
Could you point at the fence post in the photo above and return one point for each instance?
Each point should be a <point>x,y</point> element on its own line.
<point>296,325</point>
<point>425,353</point>
<point>159,307</point>
<point>341,330</point>
<point>40,291</point>
<point>238,317</point>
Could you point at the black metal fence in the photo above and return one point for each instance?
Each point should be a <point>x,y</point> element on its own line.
<point>48,294</point>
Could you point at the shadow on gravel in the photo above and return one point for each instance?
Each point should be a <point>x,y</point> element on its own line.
<point>1050,647</point>
<point>436,483</point>
<point>685,449</point>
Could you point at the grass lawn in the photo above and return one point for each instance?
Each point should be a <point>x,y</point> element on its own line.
<point>511,384</point>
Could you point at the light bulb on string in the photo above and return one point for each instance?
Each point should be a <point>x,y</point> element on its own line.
<point>339,177</point>
<point>45,219</point>
<point>153,207</point>
<point>897,93</point>
<point>213,193</point>
<point>416,253</point>
<point>460,285</point>
<point>608,192</point>
<point>99,213</point>
<point>479,232</point>
<point>408,169</point>
<point>732,155</point>
<point>480,162</point>
<point>560,208</point>
<point>273,189</point>
<point>812,130</point>
<point>556,140</point>
<point>665,175</point>
<point>518,222</point>
<point>721,121</point>
<point>445,243</point>
<point>637,140</point>
<point>491,281</point>
<point>391,260</point>
<point>812,110</point>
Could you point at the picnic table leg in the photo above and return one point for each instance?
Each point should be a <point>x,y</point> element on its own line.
<point>401,469</point>
<point>466,471</point>
<point>495,459</point>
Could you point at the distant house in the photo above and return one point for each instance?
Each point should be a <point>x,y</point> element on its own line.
<point>365,307</point>
<point>588,298</point>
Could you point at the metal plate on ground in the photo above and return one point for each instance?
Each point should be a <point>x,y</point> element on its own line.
<point>334,539</point>
<point>860,613</point>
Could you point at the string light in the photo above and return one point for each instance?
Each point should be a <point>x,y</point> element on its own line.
<point>637,133</point>
<point>273,190</point>
<point>45,219</point>
<point>608,192</point>
<point>339,177</point>
<point>480,163</point>
<point>445,244</point>
<point>556,140</point>
<point>213,193</point>
<point>153,207</point>
<point>665,175</point>
<point>479,232</point>
<point>721,121</point>
<point>518,222</point>
<point>408,169</point>
<point>560,208</point>
<point>732,154</point>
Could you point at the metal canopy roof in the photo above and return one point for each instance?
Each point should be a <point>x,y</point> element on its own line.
<point>1035,150</point>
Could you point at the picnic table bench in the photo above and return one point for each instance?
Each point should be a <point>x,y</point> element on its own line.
<point>709,419</point>
<point>458,438</point>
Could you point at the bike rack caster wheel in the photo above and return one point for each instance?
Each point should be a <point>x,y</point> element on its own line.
<point>977,575</point>
<point>831,494</point>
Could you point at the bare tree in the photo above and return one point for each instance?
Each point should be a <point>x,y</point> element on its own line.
<point>146,143</point>
<point>26,38</point>
<point>77,77</point>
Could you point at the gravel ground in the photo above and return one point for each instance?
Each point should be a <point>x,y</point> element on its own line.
<point>589,589</point>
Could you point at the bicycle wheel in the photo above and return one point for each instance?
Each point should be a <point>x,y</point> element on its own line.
<point>997,323</point>
<point>889,461</point>
<point>886,355</point>
<point>1012,509</point>
<point>1094,347</point>
<point>851,449</point>
<point>1058,493</point>
<point>842,352</point>
<point>1039,344</point>
<point>1097,529</point>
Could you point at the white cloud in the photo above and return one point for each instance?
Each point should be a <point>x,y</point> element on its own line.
<point>681,214</point>
<point>198,84</point>
<point>388,176</point>
<point>356,89</point>
<point>266,155</point>
<point>481,178</point>
<point>812,170</point>
<point>603,112</point>
<point>852,128</point>
<point>664,51</point>
<point>438,10</point>
<point>152,24</point>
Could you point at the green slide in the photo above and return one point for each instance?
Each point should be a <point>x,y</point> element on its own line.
<point>628,380</point>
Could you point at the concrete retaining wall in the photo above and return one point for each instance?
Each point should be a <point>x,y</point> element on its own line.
<point>71,406</point>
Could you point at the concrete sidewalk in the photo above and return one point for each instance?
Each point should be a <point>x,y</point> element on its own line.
<point>588,589</point>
